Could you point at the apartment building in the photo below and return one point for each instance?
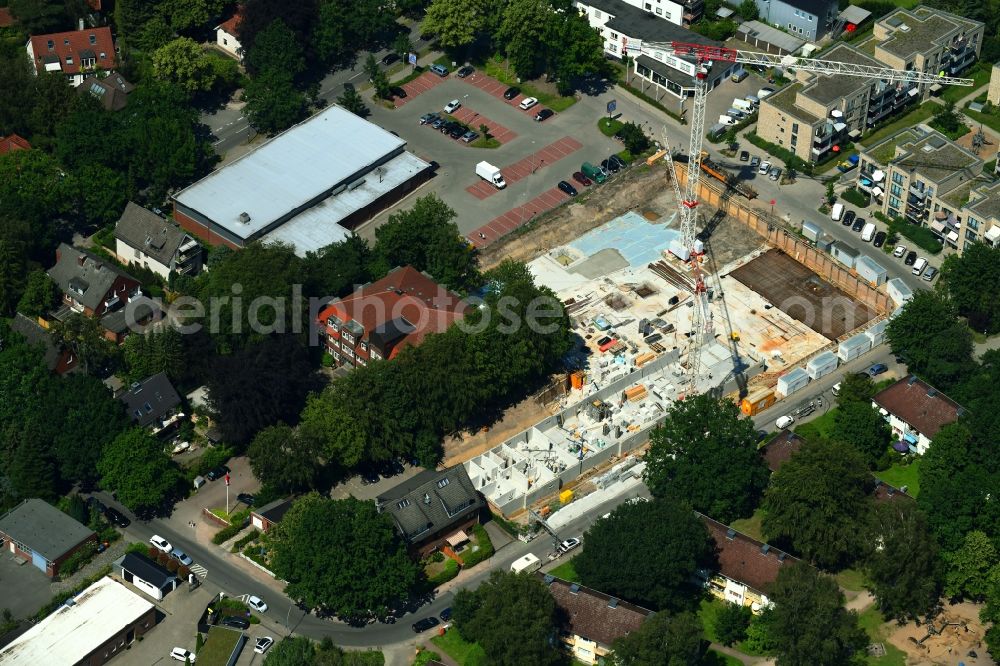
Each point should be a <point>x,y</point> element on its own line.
<point>921,176</point>
<point>622,24</point>
<point>808,19</point>
<point>678,12</point>
<point>982,216</point>
<point>927,40</point>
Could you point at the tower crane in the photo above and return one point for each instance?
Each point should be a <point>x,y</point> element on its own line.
<point>689,249</point>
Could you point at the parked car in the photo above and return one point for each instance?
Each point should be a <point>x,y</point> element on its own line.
<point>217,473</point>
<point>754,162</point>
<point>116,517</point>
<point>511,93</point>
<point>609,166</point>
<point>877,369</point>
<point>783,422</point>
<point>263,643</point>
<point>848,218</point>
<point>235,622</point>
<point>180,654</point>
<point>398,92</point>
<point>465,71</point>
<point>438,122</point>
<point>180,447</point>
<point>859,224</point>
<point>160,543</point>
<point>457,130</point>
<point>528,102</point>
<point>181,557</point>
<point>567,188</point>
<point>368,477</point>
<point>615,159</point>
<point>544,114</point>
<point>440,70</point>
<point>764,167</point>
<point>744,155</point>
<point>425,624</point>
<point>930,273</point>
<point>452,106</point>
<point>246,498</point>
<point>899,251</point>
<point>879,239</point>
<point>583,180</point>
<point>257,604</point>
<point>446,614</point>
<point>568,545</point>
<point>389,58</point>
<point>470,136</point>
<point>911,258</point>
<point>775,173</point>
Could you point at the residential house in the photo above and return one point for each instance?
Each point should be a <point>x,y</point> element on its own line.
<point>809,19</point>
<point>622,24</point>
<point>147,575</point>
<point>379,319</point>
<point>269,515</point>
<point>111,90</point>
<point>13,142</point>
<point>779,450</point>
<point>59,361</point>
<point>90,628</point>
<point>916,411</point>
<point>922,176</point>
<point>37,532</point>
<point>747,567</point>
<point>227,37</point>
<point>75,54</point>
<point>138,316</point>
<point>144,238</point>
<point>6,18</point>
<point>980,216</point>
<point>884,493</point>
<point>153,403</point>
<point>432,506</point>
<point>591,621</point>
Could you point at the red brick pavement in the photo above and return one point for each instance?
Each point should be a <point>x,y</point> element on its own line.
<point>497,89</point>
<point>473,119</point>
<point>419,85</point>
<point>519,170</point>
<point>512,219</point>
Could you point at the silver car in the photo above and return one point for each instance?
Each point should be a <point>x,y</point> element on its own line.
<point>775,173</point>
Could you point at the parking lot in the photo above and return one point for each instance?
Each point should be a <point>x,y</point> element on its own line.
<point>25,587</point>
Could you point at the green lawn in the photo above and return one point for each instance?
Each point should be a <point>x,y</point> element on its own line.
<point>609,126</point>
<point>991,120</point>
<point>713,658</point>
<point>901,474</point>
<point>918,115</point>
<point>218,646</point>
<point>980,73</point>
<point>873,623</point>
<point>751,526</point>
<point>821,426</point>
<point>483,142</point>
<point>851,579</point>
<point>499,71</point>
<point>466,654</point>
<point>566,571</point>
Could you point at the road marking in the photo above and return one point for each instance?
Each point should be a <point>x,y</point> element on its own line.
<point>199,570</point>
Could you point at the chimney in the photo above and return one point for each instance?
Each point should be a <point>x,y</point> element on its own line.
<point>911,380</point>
<point>931,393</point>
<point>781,557</point>
<point>427,499</point>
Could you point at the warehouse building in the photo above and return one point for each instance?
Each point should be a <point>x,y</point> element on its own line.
<point>308,186</point>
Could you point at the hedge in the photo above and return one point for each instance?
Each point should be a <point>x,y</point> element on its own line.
<point>856,197</point>
<point>450,570</point>
<point>238,521</point>
<point>253,534</point>
<point>791,160</point>
<point>485,550</point>
<point>923,237</point>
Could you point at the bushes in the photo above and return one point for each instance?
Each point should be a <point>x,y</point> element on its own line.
<point>449,571</point>
<point>485,550</point>
<point>791,160</point>
<point>923,237</point>
<point>77,560</point>
<point>856,197</point>
<point>141,548</point>
<point>253,534</point>
<point>237,521</point>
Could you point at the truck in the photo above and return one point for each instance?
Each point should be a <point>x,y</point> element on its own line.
<point>526,564</point>
<point>491,174</point>
<point>720,174</point>
<point>593,173</point>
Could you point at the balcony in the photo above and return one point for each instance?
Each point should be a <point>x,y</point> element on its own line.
<point>916,192</point>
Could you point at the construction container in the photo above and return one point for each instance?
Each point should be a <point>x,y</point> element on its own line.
<point>870,270</point>
<point>757,401</point>
<point>811,230</point>
<point>821,365</point>
<point>899,291</point>
<point>854,347</point>
<point>877,333</point>
<point>825,243</point>
<point>576,380</point>
<point>566,496</point>
<point>844,253</point>
<point>792,381</point>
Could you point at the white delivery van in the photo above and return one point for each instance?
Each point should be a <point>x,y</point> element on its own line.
<point>837,212</point>
<point>490,173</point>
<point>526,564</point>
<point>868,233</point>
<point>727,120</point>
<point>743,105</point>
<point>919,266</point>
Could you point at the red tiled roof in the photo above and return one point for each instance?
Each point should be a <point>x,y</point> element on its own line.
<point>231,24</point>
<point>6,18</point>
<point>744,559</point>
<point>781,448</point>
<point>78,44</point>
<point>9,144</point>
<point>919,405</point>
<point>405,293</point>
<point>589,613</point>
<point>95,5</point>
<point>886,493</point>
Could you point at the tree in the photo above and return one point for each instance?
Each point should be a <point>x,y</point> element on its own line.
<point>667,544</point>
<point>809,624</point>
<point>457,23</point>
<point>512,617</point>
<point>971,281</point>
<point>30,468</point>
<point>103,193</point>
<point>856,387</point>
<point>574,50</point>
<point>859,425</point>
<point>258,15</point>
<point>830,195</point>
<point>185,63</point>
<point>46,16</point>
<point>40,294</point>
<point>275,50</point>
<point>187,15</point>
<point>731,136</point>
<point>521,31</point>
<point>342,555</point>
<point>282,460</point>
<point>273,103</point>
<point>401,45</point>
<point>89,418</point>
<point>157,351</point>
<point>819,501</point>
<point>945,119</point>
<point>12,270</point>
<point>705,453</point>
<point>35,189</point>
<point>968,568</point>
<point>732,622</point>
<point>662,640</point>
<point>337,269</point>
<point>748,10</point>
<point>84,336</point>
<point>291,651</point>
<point>135,465</point>
<point>902,534</point>
<point>351,100</point>
<point>634,138</point>
<point>927,334</point>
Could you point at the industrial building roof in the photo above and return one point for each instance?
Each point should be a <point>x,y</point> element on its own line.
<point>43,528</point>
<point>919,405</point>
<point>72,632</point>
<point>294,169</point>
<point>594,615</point>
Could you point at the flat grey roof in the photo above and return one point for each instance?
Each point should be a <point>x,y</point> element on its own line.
<point>924,27</point>
<point>43,528</point>
<point>290,170</point>
<point>319,225</point>
<point>986,201</point>
<point>636,23</point>
<point>937,158</point>
<point>854,14</point>
<point>772,36</point>
<point>827,89</point>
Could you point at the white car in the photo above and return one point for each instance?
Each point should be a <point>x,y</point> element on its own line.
<point>181,447</point>
<point>764,167</point>
<point>257,604</point>
<point>784,421</point>
<point>180,654</point>
<point>262,644</point>
<point>568,545</point>
<point>528,102</point>
<point>899,251</point>
<point>160,543</point>
<point>452,106</point>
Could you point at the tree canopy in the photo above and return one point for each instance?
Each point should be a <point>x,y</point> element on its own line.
<point>901,533</point>
<point>972,281</point>
<point>662,640</point>
<point>928,336</point>
<point>706,453</point>
<point>137,468</point>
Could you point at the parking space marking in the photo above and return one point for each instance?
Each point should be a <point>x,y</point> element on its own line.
<point>419,85</point>
<point>474,119</point>
<point>523,168</point>
<point>497,89</point>
<point>512,219</point>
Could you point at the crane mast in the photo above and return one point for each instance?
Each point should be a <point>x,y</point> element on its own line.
<point>690,250</point>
